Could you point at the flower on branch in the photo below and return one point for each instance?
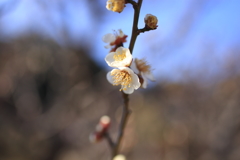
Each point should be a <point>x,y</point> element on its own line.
<point>125,77</point>
<point>140,67</point>
<point>115,5</point>
<point>151,21</point>
<point>121,58</point>
<point>115,40</point>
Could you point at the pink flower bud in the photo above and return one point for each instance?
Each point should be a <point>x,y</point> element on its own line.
<point>105,122</point>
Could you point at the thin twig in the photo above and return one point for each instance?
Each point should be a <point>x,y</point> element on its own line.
<point>145,29</point>
<point>126,111</point>
<point>124,118</point>
<point>132,2</point>
<point>109,140</point>
<point>137,9</point>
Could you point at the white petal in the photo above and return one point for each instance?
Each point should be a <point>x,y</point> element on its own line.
<point>149,75</point>
<point>135,81</point>
<point>109,77</point>
<point>129,90</point>
<point>108,38</point>
<point>145,83</point>
<point>107,46</point>
<point>121,34</point>
<point>128,59</point>
<point>124,63</point>
<point>134,67</point>
<point>109,59</point>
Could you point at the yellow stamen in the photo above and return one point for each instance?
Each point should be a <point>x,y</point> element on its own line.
<point>119,55</point>
<point>121,77</point>
<point>142,65</point>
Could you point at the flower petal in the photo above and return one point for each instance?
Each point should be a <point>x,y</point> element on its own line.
<point>123,61</point>
<point>107,46</point>
<point>145,82</point>
<point>134,67</point>
<point>149,75</point>
<point>135,81</point>
<point>109,59</point>
<point>121,34</point>
<point>129,90</point>
<point>128,59</point>
<point>109,77</point>
<point>108,38</point>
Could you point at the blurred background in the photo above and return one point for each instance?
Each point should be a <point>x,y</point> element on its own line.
<point>53,86</point>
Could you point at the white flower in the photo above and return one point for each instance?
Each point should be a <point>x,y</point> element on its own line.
<point>115,5</point>
<point>125,77</point>
<point>141,67</point>
<point>114,39</point>
<point>121,58</point>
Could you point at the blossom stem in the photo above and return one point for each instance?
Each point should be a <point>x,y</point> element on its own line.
<point>126,111</point>
<point>124,118</point>
<point>135,32</point>
<point>145,29</point>
<point>109,139</point>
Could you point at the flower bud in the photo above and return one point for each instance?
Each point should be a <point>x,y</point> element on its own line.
<point>151,21</point>
<point>105,122</point>
<point>115,5</point>
<point>100,130</point>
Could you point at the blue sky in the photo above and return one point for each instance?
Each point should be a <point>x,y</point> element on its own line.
<point>191,36</point>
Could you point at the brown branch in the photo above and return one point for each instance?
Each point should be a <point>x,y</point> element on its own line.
<point>145,29</point>
<point>109,140</point>
<point>137,9</point>
<point>132,2</point>
<point>126,111</point>
<point>124,118</point>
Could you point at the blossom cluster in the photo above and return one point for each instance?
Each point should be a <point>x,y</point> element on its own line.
<point>128,72</point>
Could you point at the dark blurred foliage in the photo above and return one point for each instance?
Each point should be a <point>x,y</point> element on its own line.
<point>51,98</point>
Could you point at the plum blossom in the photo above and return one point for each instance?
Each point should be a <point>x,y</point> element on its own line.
<point>115,40</point>
<point>125,77</point>
<point>141,68</point>
<point>121,58</point>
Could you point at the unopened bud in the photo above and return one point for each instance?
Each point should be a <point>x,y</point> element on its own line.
<point>105,121</point>
<point>100,130</point>
<point>115,5</point>
<point>151,21</point>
